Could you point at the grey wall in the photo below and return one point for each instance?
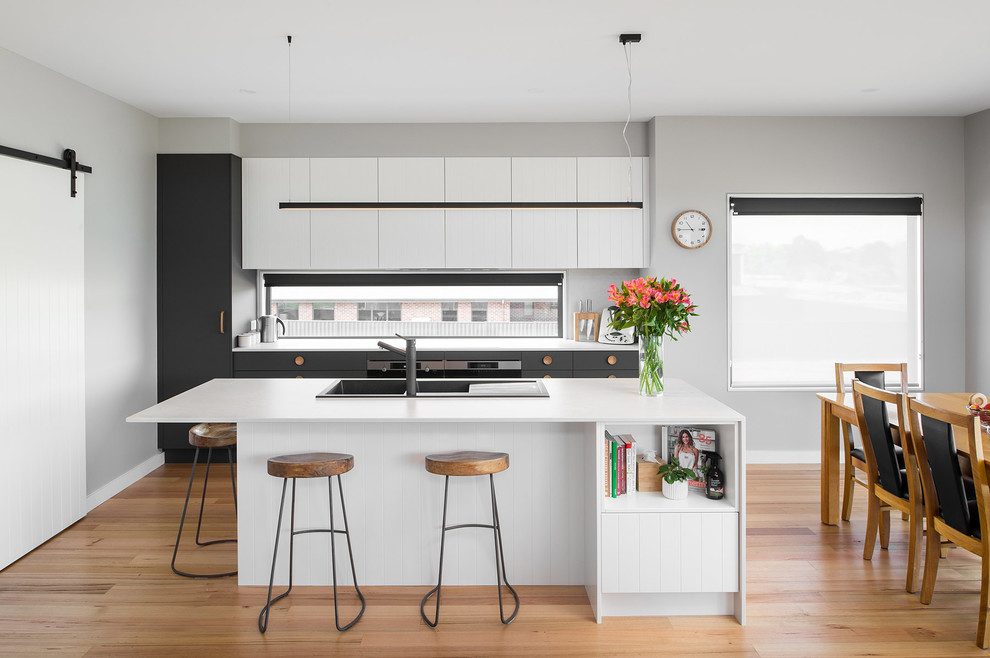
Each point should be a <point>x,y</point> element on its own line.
<point>700,160</point>
<point>207,135</point>
<point>51,113</point>
<point>277,140</point>
<point>977,251</point>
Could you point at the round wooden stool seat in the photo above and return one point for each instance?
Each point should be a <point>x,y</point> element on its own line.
<point>310,465</point>
<point>467,462</point>
<point>213,435</point>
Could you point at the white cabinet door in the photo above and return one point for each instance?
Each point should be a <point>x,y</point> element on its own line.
<point>273,238</point>
<point>410,179</point>
<point>344,239</point>
<point>611,237</point>
<point>343,179</point>
<point>410,238</point>
<point>651,552</point>
<point>544,179</point>
<point>478,179</point>
<point>608,179</point>
<point>478,238</point>
<point>544,239</point>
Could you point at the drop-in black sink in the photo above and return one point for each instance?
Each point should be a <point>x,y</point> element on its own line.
<point>436,388</point>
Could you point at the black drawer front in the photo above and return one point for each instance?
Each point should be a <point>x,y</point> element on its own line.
<point>625,360</point>
<point>495,355</point>
<point>547,373</point>
<point>301,360</point>
<point>300,374</point>
<point>599,374</point>
<point>537,361</point>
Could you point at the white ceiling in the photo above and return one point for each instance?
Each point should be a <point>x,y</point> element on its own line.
<point>513,60</point>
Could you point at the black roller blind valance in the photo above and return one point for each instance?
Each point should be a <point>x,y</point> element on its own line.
<point>414,279</point>
<point>909,205</point>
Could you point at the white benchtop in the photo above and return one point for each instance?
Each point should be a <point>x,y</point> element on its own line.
<point>571,400</point>
<point>432,344</point>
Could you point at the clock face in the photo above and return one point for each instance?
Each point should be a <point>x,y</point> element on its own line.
<point>691,229</point>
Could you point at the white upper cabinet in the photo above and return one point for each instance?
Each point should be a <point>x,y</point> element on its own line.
<point>478,238</point>
<point>273,238</point>
<point>544,179</point>
<point>544,239</point>
<point>344,239</point>
<point>343,179</point>
<point>478,179</point>
<point>410,238</point>
<point>608,179</point>
<point>410,179</point>
<point>611,237</point>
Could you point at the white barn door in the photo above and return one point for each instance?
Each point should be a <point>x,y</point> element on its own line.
<point>42,404</point>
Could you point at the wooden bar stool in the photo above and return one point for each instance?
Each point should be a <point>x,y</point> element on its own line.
<point>466,463</point>
<point>209,436</point>
<point>311,465</point>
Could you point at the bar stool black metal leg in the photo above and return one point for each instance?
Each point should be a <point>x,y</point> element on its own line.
<point>263,617</point>
<point>500,576</point>
<point>443,535</point>
<point>202,504</point>
<point>333,556</point>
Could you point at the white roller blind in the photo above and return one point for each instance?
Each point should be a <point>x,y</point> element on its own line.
<point>808,291</point>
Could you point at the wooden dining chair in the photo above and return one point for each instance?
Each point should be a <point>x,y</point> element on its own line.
<point>891,484</point>
<point>855,459</point>
<point>956,507</point>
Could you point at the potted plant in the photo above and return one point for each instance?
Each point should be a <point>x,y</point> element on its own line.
<point>654,308</point>
<point>675,480</point>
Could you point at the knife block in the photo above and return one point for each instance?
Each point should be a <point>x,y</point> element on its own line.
<point>578,336</point>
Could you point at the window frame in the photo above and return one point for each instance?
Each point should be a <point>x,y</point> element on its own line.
<point>405,278</point>
<point>918,385</point>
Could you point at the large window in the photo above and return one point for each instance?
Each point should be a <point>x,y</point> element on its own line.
<point>820,280</point>
<point>416,304</point>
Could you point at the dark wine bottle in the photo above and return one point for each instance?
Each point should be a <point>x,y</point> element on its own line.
<point>714,480</point>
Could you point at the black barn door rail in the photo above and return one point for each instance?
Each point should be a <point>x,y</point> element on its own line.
<point>68,161</point>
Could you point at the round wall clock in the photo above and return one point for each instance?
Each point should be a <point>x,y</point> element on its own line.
<point>691,229</point>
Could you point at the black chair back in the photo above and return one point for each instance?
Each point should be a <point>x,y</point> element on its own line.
<point>946,474</point>
<point>877,431</point>
<point>874,378</point>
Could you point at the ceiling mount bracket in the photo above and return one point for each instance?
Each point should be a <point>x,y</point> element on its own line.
<point>630,38</point>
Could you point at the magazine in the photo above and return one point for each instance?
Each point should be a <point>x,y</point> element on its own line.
<point>691,447</point>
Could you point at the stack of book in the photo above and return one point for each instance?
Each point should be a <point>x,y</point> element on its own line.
<point>620,464</point>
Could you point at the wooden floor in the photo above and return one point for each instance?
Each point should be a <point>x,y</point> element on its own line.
<point>104,587</point>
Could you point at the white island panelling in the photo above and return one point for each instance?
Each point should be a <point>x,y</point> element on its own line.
<point>558,527</point>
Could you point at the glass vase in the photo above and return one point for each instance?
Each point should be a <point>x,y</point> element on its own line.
<point>651,365</point>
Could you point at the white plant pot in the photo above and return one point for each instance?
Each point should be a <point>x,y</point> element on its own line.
<point>676,491</point>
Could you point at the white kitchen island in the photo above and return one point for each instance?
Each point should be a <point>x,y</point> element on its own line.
<point>639,554</point>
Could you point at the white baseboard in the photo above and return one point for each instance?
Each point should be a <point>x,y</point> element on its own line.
<point>783,456</point>
<point>118,484</point>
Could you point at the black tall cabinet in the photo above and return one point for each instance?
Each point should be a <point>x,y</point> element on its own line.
<point>199,202</point>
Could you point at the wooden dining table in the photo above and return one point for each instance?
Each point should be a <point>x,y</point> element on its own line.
<point>838,408</point>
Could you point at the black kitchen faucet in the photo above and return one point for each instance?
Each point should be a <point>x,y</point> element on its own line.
<point>410,354</point>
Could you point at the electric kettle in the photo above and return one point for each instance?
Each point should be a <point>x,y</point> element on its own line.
<point>269,328</point>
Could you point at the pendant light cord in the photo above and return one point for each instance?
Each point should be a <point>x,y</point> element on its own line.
<point>627,49</point>
<point>289,76</point>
